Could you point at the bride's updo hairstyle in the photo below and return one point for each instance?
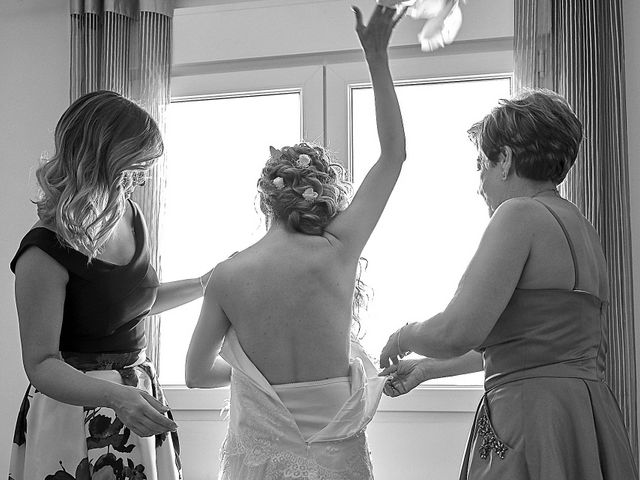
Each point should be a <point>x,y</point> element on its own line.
<point>301,187</point>
<point>540,127</point>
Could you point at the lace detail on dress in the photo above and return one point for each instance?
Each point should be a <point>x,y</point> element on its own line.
<point>490,440</point>
<point>267,444</point>
<point>264,441</point>
<point>265,460</point>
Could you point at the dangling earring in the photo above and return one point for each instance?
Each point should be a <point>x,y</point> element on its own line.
<point>139,178</point>
<point>127,184</point>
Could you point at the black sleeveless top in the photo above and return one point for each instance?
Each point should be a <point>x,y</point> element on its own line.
<point>105,304</point>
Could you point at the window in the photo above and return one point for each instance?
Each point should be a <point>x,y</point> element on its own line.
<point>434,219</point>
<point>210,209</point>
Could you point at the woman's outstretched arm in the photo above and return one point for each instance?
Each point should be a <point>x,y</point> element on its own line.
<point>483,292</point>
<point>352,228</point>
<point>174,294</point>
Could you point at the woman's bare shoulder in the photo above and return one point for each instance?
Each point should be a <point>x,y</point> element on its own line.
<point>41,224</point>
<point>226,269</point>
<point>523,216</point>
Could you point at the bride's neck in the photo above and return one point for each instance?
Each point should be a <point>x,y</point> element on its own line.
<point>277,228</point>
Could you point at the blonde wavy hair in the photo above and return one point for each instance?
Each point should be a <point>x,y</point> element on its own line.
<point>103,144</point>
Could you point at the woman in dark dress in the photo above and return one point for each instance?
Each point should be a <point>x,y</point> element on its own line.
<point>84,285</point>
<point>529,309</point>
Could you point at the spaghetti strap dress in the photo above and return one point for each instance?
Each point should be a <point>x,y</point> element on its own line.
<point>102,335</point>
<point>547,413</point>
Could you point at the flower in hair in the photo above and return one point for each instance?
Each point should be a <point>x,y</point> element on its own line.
<point>278,182</point>
<point>444,19</point>
<point>310,195</point>
<point>304,160</point>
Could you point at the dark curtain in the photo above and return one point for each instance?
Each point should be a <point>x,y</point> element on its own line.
<point>576,47</point>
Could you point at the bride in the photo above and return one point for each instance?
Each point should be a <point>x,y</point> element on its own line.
<point>279,313</point>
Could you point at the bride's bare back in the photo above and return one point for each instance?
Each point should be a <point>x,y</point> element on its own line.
<point>289,299</point>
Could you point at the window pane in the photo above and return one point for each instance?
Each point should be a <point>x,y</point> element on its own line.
<point>216,149</point>
<point>435,218</point>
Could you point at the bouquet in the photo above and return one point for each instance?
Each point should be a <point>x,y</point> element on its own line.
<point>444,19</point>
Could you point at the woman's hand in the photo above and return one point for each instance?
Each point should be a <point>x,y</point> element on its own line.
<point>141,413</point>
<point>374,37</point>
<point>394,349</point>
<point>405,376</point>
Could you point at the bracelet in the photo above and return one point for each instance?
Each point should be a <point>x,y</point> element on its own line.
<point>400,352</point>
<point>202,285</point>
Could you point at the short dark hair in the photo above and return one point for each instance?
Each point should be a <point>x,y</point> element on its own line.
<point>541,129</point>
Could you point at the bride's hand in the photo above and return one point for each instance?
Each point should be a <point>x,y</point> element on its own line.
<point>405,376</point>
<point>374,37</point>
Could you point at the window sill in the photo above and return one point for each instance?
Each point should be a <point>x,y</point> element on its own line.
<point>432,398</point>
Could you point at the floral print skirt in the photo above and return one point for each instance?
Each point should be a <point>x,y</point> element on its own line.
<point>57,441</point>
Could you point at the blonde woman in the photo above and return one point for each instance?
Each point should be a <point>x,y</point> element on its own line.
<point>301,397</point>
<point>84,286</point>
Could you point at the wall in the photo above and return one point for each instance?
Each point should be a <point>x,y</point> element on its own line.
<point>631,16</point>
<point>34,52</point>
<point>242,30</point>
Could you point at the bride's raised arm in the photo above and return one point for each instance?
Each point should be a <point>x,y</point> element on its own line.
<point>353,227</point>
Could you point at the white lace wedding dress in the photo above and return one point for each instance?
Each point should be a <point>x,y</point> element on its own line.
<point>264,441</point>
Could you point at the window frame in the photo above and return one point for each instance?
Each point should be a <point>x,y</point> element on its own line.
<point>196,96</point>
<point>326,107</point>
<point>341,78</point>
<point>307,80</point>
